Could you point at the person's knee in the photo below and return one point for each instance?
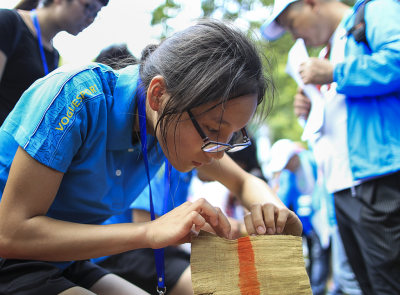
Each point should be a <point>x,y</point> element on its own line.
<point>184,284</point>
<point>113,284</point>
<point>76,291</point>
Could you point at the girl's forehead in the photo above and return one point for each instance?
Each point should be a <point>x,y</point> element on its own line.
<point>231,112</point>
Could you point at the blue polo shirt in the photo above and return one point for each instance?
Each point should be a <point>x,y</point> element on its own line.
<point>79,121</point>
<point>179,187</point>
<point>178,192</point>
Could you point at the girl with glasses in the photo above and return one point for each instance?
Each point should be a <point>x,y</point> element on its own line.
<point>83,143</point>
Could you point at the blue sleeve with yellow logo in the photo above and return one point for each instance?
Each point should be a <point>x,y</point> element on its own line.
<point>51,119</point>
<point>80,122</point>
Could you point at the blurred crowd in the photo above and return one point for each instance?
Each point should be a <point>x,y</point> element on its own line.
<point>341,178</point>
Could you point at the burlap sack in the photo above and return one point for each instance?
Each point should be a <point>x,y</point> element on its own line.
<point>267,265</point>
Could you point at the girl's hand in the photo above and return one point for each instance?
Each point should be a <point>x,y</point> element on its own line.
<point>271,219</point>
<point>180,224</point>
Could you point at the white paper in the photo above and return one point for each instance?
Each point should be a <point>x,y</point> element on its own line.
<point>297,55</point>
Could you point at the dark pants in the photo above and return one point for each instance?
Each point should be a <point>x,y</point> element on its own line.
<point>369,224</point>
<point>27,277</point>
<point>138,267</point>
<point>319,264</point>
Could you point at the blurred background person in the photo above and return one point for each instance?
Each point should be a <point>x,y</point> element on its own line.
<point>26,34</point>
<point>116,56</point>
<point>295,179</point>
<point>322,23</point>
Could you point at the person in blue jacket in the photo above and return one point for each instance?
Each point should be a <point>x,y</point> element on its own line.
<point>368,76</point>
<point>71,157</point>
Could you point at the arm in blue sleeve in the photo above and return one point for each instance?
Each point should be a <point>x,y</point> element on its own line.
<point>377,73</point>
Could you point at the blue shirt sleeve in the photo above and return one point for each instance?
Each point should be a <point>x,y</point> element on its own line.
<point>51,118</point>
<point>377,71</point>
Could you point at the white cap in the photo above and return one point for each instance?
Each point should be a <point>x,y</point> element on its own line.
<point>280,154</point>
<point>270,30</point>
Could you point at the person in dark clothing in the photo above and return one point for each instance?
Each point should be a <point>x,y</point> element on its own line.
<point>26,55</point>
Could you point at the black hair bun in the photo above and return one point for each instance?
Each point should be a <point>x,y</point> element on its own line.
<point>149,49</point>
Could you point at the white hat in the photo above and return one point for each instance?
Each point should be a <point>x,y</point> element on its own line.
<point>271,30</point>
<point>280,154</point>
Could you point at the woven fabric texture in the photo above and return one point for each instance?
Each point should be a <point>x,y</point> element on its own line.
<point>267,265</point>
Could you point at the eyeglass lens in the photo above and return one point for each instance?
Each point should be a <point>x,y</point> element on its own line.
<point>214,147</point>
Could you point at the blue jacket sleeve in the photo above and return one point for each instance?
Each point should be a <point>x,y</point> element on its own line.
<point>377,71</point>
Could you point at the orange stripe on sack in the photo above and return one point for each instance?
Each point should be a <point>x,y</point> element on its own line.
<point>248,281</point>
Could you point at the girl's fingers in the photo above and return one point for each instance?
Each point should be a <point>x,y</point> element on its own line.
<point>248,222</point>
<point>269,218</point>
<point>197,220</point>
<point>281,219</point>
<point>224,227</point>
<point>207,210</point>
<point>258,220</point>
<point>212,215</point>
<point>266,219</point>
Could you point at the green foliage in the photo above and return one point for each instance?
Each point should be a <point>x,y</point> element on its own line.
<point>229,9</point>
<point>162,13</point>
<point>282,121</point>
<point>208,7</point>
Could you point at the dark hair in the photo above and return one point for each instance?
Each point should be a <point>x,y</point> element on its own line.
<point>32,4</point>
<point>208,62</point>
<point>27,4</point>
<point>116,56</point>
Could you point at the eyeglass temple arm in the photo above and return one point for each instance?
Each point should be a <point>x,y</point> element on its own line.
<point>197,126</point>
<point>245,136</point>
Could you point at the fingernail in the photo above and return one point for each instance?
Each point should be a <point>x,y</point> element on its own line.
<point>261,230</point>
<point>270,231</point>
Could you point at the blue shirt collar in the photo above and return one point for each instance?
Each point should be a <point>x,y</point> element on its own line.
<point>122,109</point>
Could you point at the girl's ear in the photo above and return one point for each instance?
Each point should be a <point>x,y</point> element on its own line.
<point>155,92</point>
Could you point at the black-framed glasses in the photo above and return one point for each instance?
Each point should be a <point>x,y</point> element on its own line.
<point>91,8</point>
<point>210,146</point>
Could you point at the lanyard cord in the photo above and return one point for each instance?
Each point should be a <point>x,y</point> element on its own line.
<point>39,37</point>
<point>167,184</point>
<point>158,253</point>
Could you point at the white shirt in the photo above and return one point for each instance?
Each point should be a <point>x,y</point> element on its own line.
<point>330,149</point>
